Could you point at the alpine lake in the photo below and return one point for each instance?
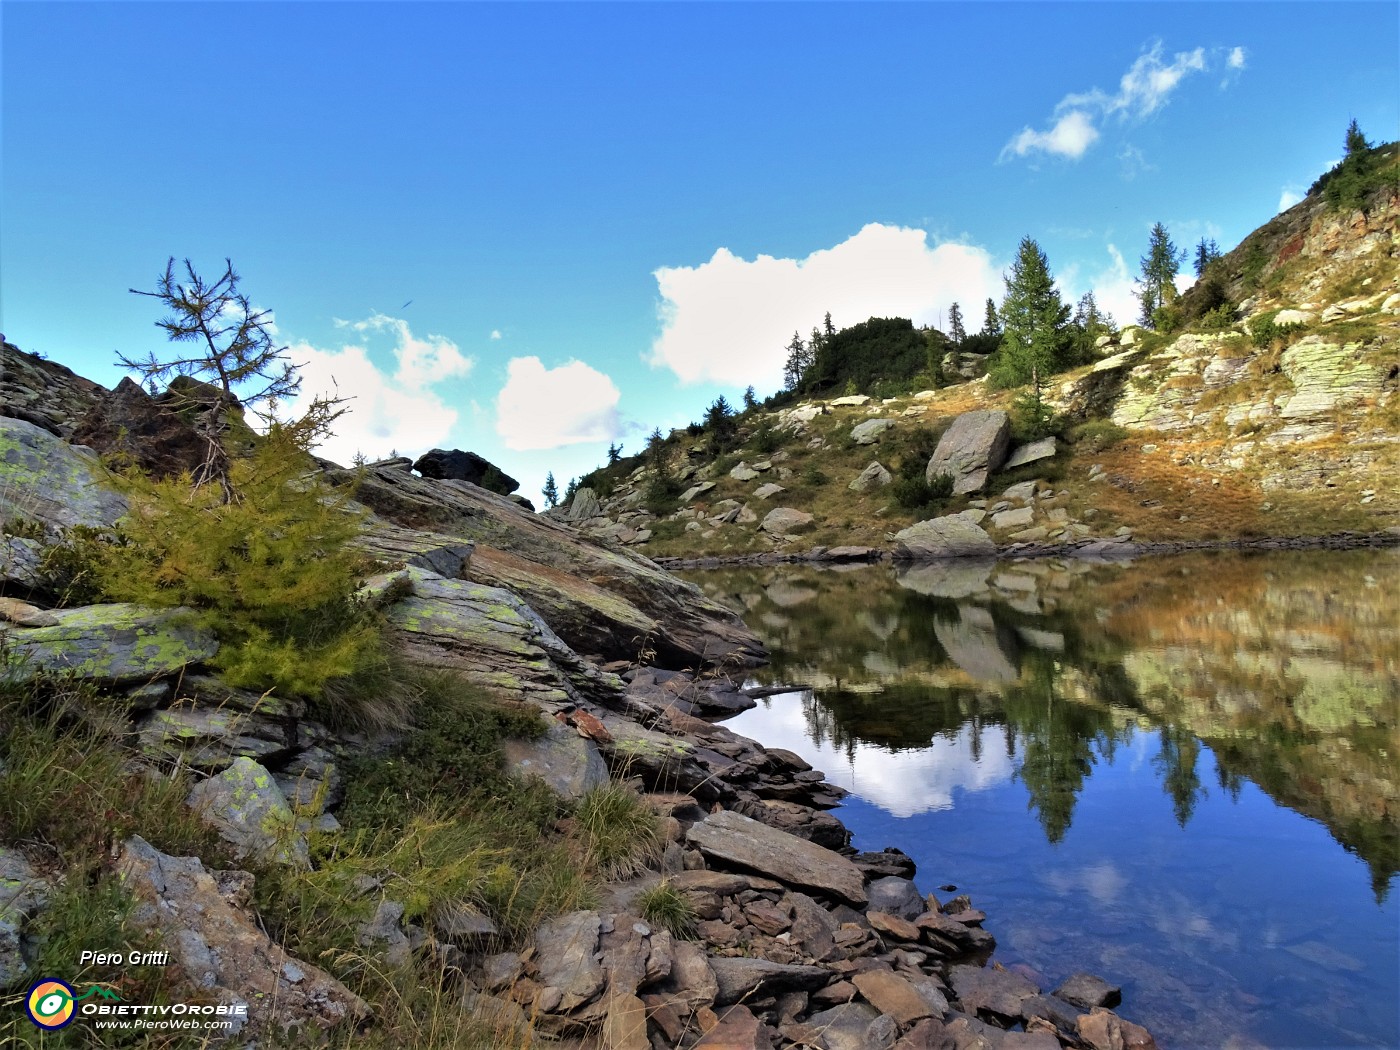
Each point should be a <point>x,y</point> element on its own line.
<point>1180,773</point>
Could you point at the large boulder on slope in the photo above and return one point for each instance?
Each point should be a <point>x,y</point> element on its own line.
<point>971,449</point>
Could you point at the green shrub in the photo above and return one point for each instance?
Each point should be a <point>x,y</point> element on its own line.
<point>1098,434</point>
<point>271,573</point>
<point>662,494</point>
<point>1218,318</point>
<point>814,475</point>
<point>765,438</point>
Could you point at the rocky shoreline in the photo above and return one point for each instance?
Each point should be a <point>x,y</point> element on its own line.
<point>1102,549</point>
<point>802,941</point>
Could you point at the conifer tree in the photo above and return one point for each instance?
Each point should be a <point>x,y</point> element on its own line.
<point>234,360</point>
<point>956,332</point>
<point>991,324</point>
<point>550,490</point>
<point>1033,320</point>
<point>1207,251</point>
<point>1157,285</point>
<point>796,364</point>
<point>750,398</point>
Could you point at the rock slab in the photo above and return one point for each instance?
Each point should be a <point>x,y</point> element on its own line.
<point>972,448</point>
<point>731,838</point>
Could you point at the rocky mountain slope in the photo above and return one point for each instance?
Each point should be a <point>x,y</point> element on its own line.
<point>1279,417</point>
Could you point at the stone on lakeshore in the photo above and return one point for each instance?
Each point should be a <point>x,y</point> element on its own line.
<point>740,979</point>
<point>248,809</point>
<point>896,896</point>
<point>892,926</point>
<point>735,839</point>
<point>217,943</point>
<point>782,520</point>
<point>768,489</point>
<point>849,1027</point>
<point>891,994</point>
<point>951,536</point>
<point>999,992</point>
<point>1104,1030</point>
<point>1089,991</point>
<point>869,432</point>
<point>970,449</point>
<point>1016,518</point>
<point>873,476</point>
<point>563,759</point>
<point>1031,453</point>
<point>108,643</point>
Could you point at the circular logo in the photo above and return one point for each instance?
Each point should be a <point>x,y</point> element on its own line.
<point>50,1003</point>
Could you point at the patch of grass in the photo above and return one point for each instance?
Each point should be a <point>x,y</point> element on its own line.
<point>665,906</point>
<point>1095,435</point>
<point>619,834</point>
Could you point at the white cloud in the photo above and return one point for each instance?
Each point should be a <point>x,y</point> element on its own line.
<point>383,412</point>
<point>1288,198</point>
<point>1142,90</point>
<point>1113,286</point>
<point>541,408</point>
<point>421,361</point>
<point>495,333</point>
<point>1072,134</point>
<point>730,319</point>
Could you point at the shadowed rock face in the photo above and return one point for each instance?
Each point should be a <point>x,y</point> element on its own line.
<point>601,600</point>
<point>456,465</point>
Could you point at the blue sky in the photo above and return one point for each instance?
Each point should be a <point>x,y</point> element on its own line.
<point>601,217</point>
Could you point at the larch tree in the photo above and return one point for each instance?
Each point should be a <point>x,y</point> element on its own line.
<point>956,332</point>
<point>1157,285</point>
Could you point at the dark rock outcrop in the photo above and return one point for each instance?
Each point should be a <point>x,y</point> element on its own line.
<point>442,464</point>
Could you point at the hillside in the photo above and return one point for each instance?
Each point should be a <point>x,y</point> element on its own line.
<point>1272,416</point>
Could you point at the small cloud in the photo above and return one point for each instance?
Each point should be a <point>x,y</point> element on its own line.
<point>1288,198</point>
<point>495,333</point>
<point>1236,58</point>
<point>1145,88</point>
<point>730,320</point>
<point>542,408</point>
<point>1072,134</point>
<point>421,361</point>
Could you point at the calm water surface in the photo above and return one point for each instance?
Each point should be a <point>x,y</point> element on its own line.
<point>1182,774</point>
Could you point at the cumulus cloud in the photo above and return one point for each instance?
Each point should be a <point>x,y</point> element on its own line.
<point>541,407</point>
<point>1142,90</point>
<point>384,411</point>
<point>1114,287</point>
<point>730,319</point>
<point>1288,198</point>
<point>421,361</point>
<point>1070,136</point>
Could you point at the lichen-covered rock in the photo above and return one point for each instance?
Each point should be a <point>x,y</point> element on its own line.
<point>951,536</point>
<point>216,944</point>
<point>495,639</point>
<point>107,643</point>
<point>248,809</point>
<point>44,479</point>
<point>868,432</point>
<point>561,758</point>
<point>873,476</point>
<point>970,449</point>
<point>782,520</point>
<point>1031,453</point>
